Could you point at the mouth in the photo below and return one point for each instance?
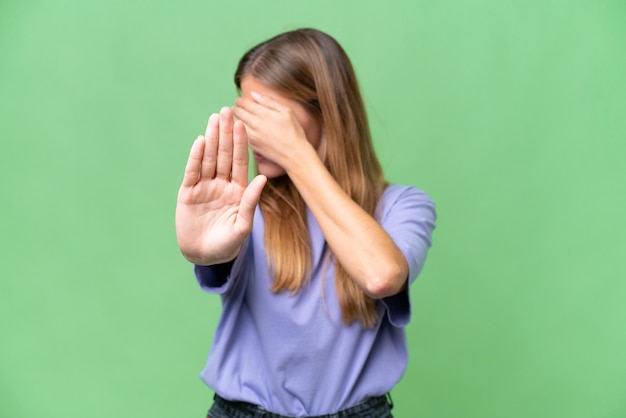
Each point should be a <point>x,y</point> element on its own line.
<point>258,157</point>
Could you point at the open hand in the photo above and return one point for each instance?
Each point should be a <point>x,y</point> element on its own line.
<point>216,204</point>
<point>277,127</point>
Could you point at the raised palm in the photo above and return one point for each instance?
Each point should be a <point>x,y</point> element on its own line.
<point>216,204</point>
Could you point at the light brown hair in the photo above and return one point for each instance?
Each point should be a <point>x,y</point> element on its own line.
<point>311,67</point>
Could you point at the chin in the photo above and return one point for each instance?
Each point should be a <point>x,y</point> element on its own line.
<point>270,170</point>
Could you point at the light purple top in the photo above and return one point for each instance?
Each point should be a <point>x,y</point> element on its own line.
<point>291,354</point>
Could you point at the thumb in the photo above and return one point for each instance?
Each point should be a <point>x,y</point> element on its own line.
<point>249,201</point>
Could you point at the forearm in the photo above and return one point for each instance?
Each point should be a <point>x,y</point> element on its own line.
<point>360,244</point>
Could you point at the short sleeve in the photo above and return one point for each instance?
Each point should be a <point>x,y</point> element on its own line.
<point>218,278</point>
<point>408,215</point>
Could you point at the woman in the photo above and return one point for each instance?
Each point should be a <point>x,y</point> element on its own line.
<point>313,257</point>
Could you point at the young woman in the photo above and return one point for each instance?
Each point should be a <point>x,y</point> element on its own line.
<point>312,258</point>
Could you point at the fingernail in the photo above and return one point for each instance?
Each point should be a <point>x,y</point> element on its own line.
<point>256,96</point>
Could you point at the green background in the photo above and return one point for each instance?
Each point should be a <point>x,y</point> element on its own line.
<point>510,114</point>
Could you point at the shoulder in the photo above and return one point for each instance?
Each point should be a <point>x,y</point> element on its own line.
<point>394,191</point>
<point>410,199</point>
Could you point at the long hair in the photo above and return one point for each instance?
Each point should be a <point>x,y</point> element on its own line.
<point>310,67</point>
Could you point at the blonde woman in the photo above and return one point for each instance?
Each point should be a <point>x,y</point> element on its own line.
<point>312,258</point>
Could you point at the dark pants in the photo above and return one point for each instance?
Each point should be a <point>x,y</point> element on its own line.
<point>379,407</point>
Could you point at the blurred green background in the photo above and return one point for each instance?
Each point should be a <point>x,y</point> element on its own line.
<point>510,114</point>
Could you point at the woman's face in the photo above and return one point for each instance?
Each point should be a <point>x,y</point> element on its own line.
<point>310,124</point>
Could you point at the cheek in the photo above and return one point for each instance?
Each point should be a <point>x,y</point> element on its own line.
<point>313,133</point>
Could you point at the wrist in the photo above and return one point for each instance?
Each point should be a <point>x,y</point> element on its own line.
<point>209,259</point>
<point>302,158</point>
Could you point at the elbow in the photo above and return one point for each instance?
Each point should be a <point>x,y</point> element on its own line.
<point>387,283</point>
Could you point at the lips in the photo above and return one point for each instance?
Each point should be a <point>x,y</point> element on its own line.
<point>258,157</point>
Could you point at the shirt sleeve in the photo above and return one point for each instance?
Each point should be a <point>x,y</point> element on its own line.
<point>218,278</point>
<point>408,215</point>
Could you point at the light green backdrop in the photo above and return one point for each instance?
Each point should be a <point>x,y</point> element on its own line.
<point>510,114</point>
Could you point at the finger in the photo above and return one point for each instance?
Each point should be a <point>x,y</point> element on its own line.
<point>249,201</point>
<point>244,115</point>
<point>211,137</point>
<point>265,100</point>
<point>194,163</point>
<point>240,154</point>
<point>245,105</point>
<point>225,146</point>
<point>253,107</point>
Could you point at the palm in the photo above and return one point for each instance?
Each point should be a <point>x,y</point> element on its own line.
<point>215,203</point>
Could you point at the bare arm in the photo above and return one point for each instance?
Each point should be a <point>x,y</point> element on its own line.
<point>361,245</point>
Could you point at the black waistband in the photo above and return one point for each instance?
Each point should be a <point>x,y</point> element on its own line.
<point>237,409</point>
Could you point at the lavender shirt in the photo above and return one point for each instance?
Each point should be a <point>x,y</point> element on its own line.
<point>291,354</point>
